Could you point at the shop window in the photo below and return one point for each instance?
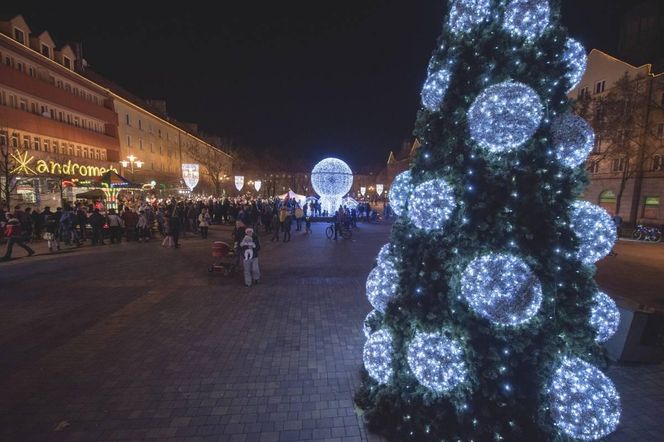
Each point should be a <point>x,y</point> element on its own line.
<point>607,200</point>
<point>651,207</point>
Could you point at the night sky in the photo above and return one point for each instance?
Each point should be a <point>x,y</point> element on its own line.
<point>303,78</point>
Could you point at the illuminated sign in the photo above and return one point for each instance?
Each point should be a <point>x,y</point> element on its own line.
<point>26,165</point>
<point>190,175</point>
<point>239,182</point>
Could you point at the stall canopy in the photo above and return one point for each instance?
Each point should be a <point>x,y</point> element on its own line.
<point>94,194</point>
<point>292,195</point>
<point>115,180</point>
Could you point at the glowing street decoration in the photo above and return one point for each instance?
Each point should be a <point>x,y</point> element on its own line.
<point>595,230</point>
<point>437,361</point>
<point>584,402</point>
<point>501,288</point>
<point>431,205</point>
<point>604,316</point>
<point>400,192</point>
<point>527,19</point>
<point>466,15</point>
<point>331,179</point>
<point>504,116</point>
<point>379,189</point>
<point>573,139</point>
<point>190,175</point>
<point>239,182</point>
<point>377,356</point>
<point>257,185</point>
<point>363,190</point>
<point>24,166</point>
<point>576,60</point>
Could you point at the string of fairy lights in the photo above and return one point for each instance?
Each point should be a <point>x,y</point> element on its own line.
<point>500,287</point>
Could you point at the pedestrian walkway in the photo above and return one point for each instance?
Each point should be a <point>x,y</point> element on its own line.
<point>137,342</point>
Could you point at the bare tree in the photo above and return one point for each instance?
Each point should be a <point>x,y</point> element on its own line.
<point>214,161</point>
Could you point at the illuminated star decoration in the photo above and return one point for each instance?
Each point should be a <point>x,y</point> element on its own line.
<point>382,284</point>
<point>526,18</point>
<point>465,15</point>
<point>435,87</point>
<point>23,160</point>
<point>377,356</point>
<point>584,402</point>
<point>573,139</point>
<point>504,116</point>
<point>501,288</point>
<point>437,361</point>
<point>604,316</point>
<point>594,229</point>
<point>576,60</point>
<point>400,192</point>
<point>431,205</point>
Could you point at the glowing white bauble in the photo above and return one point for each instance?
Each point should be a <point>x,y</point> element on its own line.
<point>377,356</point>
<point>573,139</point>
<point>431,204</point>
<point>331,179</point>
<point>594,229</point>
<point>434,89</point>
<point>584,402</point>
<point>368,326</point>
<point>465,15</point>
<point>437,361</point>
<point>501,288</point>
<point>526,18</point>
<point>400,192</point>
<point>385,253</point>
<point>382,284</point>
<point>604,316</point>
<point>504,116</point>
<point>576,60</point>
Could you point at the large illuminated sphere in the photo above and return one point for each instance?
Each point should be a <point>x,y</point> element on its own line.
<point>437,361</point>
<point>584,402</point>
<point>526,18</point>
<point>504,116</point>
<point>331,179</point>
<point>594,229</point>
<point>382,284</point>
<point>573,139</point>
<point>501,288</point>
<point>400,192</point>
<point>371,322</point>
<point>576,60</point>
<point>434,89</point>
<point>466,15</point>
<point>431,204</point>
<point>385,253</point>
<point>604,316</point>
<point>377,356</point>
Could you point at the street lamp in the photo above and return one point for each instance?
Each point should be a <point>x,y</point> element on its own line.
<point>133,161</point>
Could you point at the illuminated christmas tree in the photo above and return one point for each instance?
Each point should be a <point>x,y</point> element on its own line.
<point>487,321</point>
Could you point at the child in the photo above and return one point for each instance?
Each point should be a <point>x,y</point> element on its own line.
<point>248,244</point>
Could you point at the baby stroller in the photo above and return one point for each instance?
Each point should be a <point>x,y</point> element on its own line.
<point>226,259</point>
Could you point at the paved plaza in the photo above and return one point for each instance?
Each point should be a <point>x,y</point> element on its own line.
<point>133,341</point>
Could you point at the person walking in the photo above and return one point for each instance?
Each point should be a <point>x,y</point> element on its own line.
<point>97,221</point>
<point>142,227</point>
<point>50,229</point>
<point>174,224</point>
<point>115,225</point>
<point>252,274</point>
<point>204,222</point>
<point>288,221</point>
<point>299,214</point>
<point>14,234</point>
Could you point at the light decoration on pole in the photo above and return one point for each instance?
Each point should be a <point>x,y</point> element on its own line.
<point>594,229</point>
<point>504,116</point>
<point>527,18</point>
<point>363,190</point>
<point>435,88</point>
<point>437,361</point>
<point>382,284</point>
<point>332,179</point>
<point>257,185</point>
<point>573,139</point>
<point>239,182</point>
<point>400,192</point>
<point>584,402</point>
<point>465,15</point>
<point>191,175</point>
<point>604,316</point>
<point>501,288</point>
<point>431,204</point>
<point>379,189</point>
<point>377,356</point>
<point>576,60</point>
<point>369,325</point>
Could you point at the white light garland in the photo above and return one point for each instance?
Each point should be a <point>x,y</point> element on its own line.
<point>431,204</point>
<point>382,284</point>
<point>573,139</point>
<point>372,318</point>
<point>576,60</point>
<point>501,288</point>
<point>435,87</point>
<point>527,18</point>
<point>604,316</point>
<point>377,356</point>
<point>400,192</point>
<point>584,402</point>
<point>437,361</point>
<point>504,116</point>
<point>465,15</point>
<point>331,179</point>
<point>594,229</point>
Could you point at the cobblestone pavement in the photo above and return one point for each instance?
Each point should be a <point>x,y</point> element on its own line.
<point>133,341</point>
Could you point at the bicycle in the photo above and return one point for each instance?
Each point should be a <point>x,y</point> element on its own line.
<point>345,232</point>
<point>646,233</point>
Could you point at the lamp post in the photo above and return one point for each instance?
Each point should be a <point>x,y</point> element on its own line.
<point>133,162</point>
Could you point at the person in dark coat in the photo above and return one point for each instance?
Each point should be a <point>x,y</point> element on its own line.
<point>97,222</point>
